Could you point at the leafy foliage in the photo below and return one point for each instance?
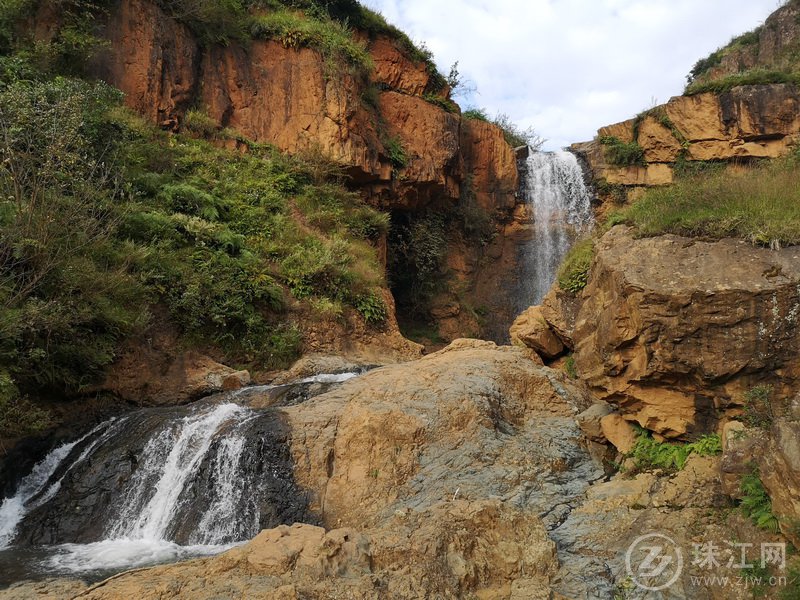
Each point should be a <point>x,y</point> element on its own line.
<point>756,503</point>
<point>758,406</point>
<point>622,154</point>
<point>573,274</point>
<point>648,453</point>
<point>103,216</point>
<point>476,114</point>
<point>396,153</point>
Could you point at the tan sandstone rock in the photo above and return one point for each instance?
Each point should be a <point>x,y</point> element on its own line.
<point>619,432</point>
<point>531,329</point>
<point>669,328</point>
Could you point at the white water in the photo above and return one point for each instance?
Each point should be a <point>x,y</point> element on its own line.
<point>184,447</point>
<point>560,205</point>
<point>112,555</point>
<point>14,509</point>
<point>153,502</point>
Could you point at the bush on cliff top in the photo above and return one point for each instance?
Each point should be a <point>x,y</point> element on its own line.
<point>760,204</point>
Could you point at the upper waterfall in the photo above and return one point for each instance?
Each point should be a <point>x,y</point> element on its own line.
<point>559,204</point>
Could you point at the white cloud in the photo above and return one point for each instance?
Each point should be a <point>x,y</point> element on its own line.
<point>567,67</point>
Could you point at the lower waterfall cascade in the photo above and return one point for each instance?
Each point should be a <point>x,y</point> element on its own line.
<point>559,203</point>
<point>157,485</point>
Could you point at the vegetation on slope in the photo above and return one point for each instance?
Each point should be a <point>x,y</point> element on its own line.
<point>760,204</point>
<point>103,217</point>
<point>753,68</point>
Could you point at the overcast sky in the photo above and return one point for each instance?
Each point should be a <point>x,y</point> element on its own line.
<point>567,67</point>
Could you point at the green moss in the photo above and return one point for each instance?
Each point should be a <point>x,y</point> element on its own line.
<point>573,274</point>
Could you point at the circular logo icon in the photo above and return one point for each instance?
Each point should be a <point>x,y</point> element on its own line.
<point>654,562</point>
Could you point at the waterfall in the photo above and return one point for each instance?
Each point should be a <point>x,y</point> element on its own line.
<point>560,205</point>
<point>161,484</point>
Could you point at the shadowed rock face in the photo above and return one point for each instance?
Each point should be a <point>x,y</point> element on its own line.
<point>674,330</point>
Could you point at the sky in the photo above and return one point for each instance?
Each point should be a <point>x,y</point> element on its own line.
<point>568,67</point>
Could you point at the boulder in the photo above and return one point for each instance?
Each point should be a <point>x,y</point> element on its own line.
<point>672,330</point>
<point>589,420</point>
<point>619,432</point>
<point>531,329</point>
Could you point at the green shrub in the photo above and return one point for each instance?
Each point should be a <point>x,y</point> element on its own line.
<point>19,416</point>
<point>476,114</point>
<point>616,191</point>
<point>756,503</point>
<point>199,123</point>
<point>396,153</point>
<point>573,274</point>
<point>372,308</point>
<point>212,21</point>
<point>758,407</point>
<point>186,198</point>
<point>648,453</point>
<point>622,154</point>
<point>416,261</point>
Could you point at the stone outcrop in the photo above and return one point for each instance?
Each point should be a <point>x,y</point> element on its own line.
<point>463,474</point>
<point>400,437</point>
<point>674,331</point>
<point>748,122</point>
<point>531,329</point>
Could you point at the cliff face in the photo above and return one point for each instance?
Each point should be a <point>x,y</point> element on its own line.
<point>748,122</point>
<point>288,97</point>
<point>283,96</point>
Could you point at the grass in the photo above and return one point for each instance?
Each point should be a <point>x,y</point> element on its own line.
<point>752,77</point>
<point>333,40</point>
<point>648,453</point>
<point>761,205</point>
<point>573,274</point>
<point>622,154</point>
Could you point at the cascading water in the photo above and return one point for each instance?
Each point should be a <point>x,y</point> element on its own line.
<point>560,206</point>
<point>157,485</point>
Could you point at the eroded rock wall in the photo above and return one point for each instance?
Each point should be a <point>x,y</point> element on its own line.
<point>674,331</point>
<point>748,122</point>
